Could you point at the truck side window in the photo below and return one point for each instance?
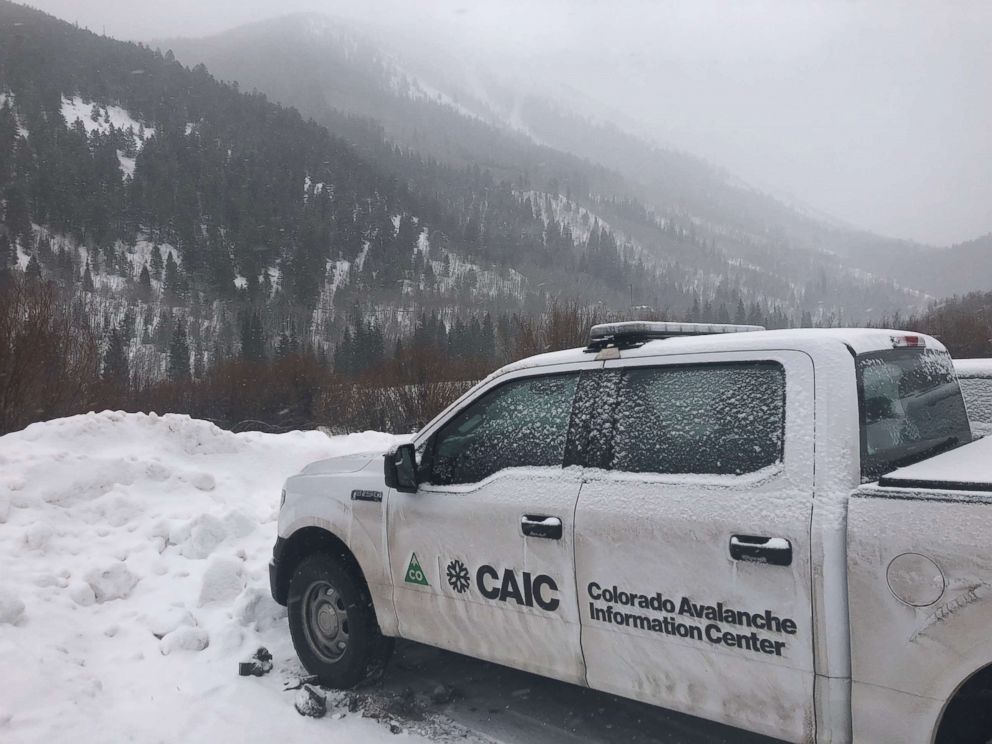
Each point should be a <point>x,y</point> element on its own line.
<point>521,423</point>
<point>724,419</point>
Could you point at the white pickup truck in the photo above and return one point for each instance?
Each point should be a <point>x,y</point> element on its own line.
<point>755,528</point>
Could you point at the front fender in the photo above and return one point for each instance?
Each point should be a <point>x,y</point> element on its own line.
<point>325,501</point>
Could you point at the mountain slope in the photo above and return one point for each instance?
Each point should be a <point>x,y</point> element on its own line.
<point>664,194</point>
<point>165,198</point>
<point>444,105</point>
<point>193,222</point>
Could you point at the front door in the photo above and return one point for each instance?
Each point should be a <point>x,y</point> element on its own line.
<point>692,540</point>
<point>482,555</point>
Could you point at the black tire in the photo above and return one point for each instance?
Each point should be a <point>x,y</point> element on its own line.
<point>333,624</point>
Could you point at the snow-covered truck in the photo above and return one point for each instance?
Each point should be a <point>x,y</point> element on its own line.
<point>784,531</point>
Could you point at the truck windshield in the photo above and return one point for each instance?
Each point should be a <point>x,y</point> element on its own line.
<point>911,408</point>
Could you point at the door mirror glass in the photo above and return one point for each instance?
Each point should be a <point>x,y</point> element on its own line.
<point>401,469</point>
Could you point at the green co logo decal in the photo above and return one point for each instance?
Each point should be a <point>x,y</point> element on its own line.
<point>415,573</point>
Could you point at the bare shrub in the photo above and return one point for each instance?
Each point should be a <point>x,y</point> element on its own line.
<point>49,357</point>
<point>564,325</point>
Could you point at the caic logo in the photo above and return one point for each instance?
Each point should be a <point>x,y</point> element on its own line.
<point>528,590</point>
<point>458,577</point>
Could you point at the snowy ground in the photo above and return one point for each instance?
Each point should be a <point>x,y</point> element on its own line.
<point>133,579</point>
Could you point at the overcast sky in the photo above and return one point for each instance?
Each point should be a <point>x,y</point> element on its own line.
<point>877,113</point>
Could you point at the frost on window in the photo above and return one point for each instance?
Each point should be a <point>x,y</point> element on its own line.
<point>593,428</point>
<point>724,419</point>
<point>911,408</point>
<point>521,423</point>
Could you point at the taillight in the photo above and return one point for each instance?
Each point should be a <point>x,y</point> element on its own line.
<point>909,341</point>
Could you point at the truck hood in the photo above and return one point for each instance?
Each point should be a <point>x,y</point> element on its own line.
<point>967,468</point>
<point>342,464</point>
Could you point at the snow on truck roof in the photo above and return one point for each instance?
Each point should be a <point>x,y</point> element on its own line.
<point>821,340</point>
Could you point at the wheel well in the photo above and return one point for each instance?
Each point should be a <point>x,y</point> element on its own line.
<point>302,543</point>
<point>967,717</point>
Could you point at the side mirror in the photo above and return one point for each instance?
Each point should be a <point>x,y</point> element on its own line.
<point>400,469</point>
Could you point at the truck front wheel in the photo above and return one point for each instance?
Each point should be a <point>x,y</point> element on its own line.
<point>333,624</point>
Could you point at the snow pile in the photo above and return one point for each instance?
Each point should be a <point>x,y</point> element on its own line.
<point>134,551</point>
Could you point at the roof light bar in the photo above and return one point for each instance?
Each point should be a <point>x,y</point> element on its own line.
<point>637,332</point>
<point>910,341</point>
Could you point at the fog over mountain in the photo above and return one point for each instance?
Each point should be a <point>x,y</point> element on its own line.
<point>874,113</point>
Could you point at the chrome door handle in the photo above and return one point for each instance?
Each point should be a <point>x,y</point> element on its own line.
<point>533,525</point>
<point>775,551</point>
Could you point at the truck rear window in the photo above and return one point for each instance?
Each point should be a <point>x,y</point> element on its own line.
<point>911,408</point>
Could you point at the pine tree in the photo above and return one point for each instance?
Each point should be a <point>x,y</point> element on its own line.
<point>17,213</point>
<point>156,262</point>
<point>741,314</point>
<point>33,269</point>
<point>179,370</point>
<point>199,362</point>
<point>7,255</point>
<point>171,285</point>
<point>87,278</point>
<point>252,337</point>
<point>343,353</point>
<point>755,315</point>
<point>115,362</point>
<point>144,284</point>
<point>488,340</point>
<point>282,346</point>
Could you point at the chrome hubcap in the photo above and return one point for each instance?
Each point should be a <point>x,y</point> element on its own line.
<point>326,621</point>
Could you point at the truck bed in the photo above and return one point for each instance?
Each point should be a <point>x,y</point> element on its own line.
<point>967,468</point>
<point>920,591</point>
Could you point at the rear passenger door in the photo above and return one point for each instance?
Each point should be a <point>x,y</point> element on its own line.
<point>692,538</point>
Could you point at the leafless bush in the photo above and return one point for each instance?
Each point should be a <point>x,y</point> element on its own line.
<point>400,408</point>
<point>564,325</point>
<point>49,357</point>
<point>49,366</point>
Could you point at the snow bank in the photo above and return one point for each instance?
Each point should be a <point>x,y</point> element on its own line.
<point>134,554</point>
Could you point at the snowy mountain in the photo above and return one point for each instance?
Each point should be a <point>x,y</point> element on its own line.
<point>196,222</point>
<point>442,102</point>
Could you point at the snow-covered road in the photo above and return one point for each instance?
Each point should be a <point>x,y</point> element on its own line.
<point>133,579</point>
